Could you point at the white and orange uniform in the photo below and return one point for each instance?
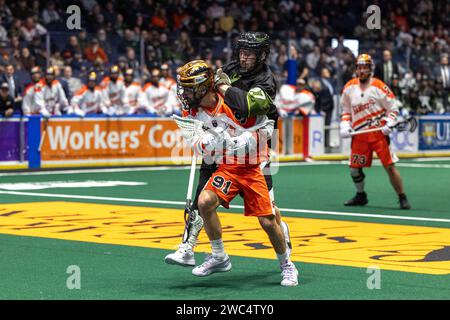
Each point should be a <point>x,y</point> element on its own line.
<point>88,101</point>
<point>113,93</point>
<point>236,177</point>
<point>29,101</point>
<point>172,99</point>
<point>131,97</point>
<point>50,99</point>
<point>289,101</point>
<point>154,99</point>
<point>365,109</point>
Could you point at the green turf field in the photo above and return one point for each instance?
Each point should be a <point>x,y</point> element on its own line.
<point>34,261</point>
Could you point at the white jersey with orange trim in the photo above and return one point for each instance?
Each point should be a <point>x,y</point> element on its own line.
<point>365,107</point>
<point>222,116</point>
<point>29,101</point>
<point>50,98</point>
<point>172,99</point>
<point>290,100</point>
<point>154,99</point>
<point>87,100</point>
<point>131,97</point>
<point>113,93</point>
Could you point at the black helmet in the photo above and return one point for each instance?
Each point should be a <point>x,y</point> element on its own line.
<point>255,41</point>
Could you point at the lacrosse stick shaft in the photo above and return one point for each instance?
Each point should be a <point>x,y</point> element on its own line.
<point>191,178</point>
<point>365,131</point>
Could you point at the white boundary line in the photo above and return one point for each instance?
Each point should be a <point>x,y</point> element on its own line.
<point>182,203</point>
<point>184,167</point>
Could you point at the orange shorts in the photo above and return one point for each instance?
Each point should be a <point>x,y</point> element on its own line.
<point>364,145</point>
<point>247,180</point>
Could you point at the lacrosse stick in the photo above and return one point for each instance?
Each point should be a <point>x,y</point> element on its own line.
<point>409,124</point>
<point>191,128</point>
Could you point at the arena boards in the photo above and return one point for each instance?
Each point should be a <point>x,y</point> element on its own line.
<point>416,249</point>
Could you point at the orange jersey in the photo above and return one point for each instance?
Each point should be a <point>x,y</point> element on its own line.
<point>365,107</point>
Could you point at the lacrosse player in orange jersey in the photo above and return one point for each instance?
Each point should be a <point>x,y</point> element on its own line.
<point>238,151</point>
<point>367,103</point>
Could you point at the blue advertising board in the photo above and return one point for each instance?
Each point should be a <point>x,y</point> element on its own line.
<point>434,133</point>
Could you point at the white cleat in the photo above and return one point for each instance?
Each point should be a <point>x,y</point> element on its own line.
<point>290,274</point>
<point>287,237</point>
<point>184,256</point>
<point>212,265</point>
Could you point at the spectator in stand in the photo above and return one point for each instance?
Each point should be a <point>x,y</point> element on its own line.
<point>386,69</point>
<point>27,61</point>
<point>159,19</point>
<point>442,71</point>
<point>6,15</point>
<point>83,40</point>
<point>3,32</point>
<point>104,42</point>
<point>119,25</point>
<point>94,53</point>
<point>21,10</point>
<point>73,84</point>
<point>133,62</point>
<point>129,40</point>
<point>6,101</point>
<point>32,29</point>
<point>72,46</point>
<point>50,15</point>
<point>14,86</point>
<point>80,65</point>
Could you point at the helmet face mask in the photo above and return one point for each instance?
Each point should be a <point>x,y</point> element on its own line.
<point>252,42</point>
<point>194,80</point>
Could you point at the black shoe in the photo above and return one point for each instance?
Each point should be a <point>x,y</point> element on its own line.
<point>404,204</point>
<point>359,200</point>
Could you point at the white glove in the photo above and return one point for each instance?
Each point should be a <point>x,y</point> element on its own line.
<point>210,142</point>
<point>45,113</point>
<point>79,112</point>
<point>388,127</point>
<point>238,145</point>
<point>283,114</point>
<point>221,78</point>
<point>107,111</point>
<point>345,129</point>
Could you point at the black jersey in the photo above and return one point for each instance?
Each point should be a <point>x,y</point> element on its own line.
<point>251,94</point>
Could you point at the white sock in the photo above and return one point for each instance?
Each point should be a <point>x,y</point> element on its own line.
<point>359,186</point>
<point>283,258</point>
<point>218,249</point>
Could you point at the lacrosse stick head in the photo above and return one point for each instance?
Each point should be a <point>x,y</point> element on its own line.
<point>192,128</point>
<point>409,124</point>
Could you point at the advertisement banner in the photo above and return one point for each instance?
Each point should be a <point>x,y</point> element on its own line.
<point>10,140</point>
<point>405,141</point>
<point>112,138</point>
<point>298,135</point>
<point>434,133</point>
<point>316,135</point>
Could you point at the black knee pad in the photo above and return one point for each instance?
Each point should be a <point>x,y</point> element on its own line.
<point>357,175</point>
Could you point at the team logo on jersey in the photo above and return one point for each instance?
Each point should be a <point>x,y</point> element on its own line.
<point>214,123</point>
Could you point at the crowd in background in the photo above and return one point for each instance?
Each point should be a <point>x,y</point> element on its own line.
<point>410,49</point>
